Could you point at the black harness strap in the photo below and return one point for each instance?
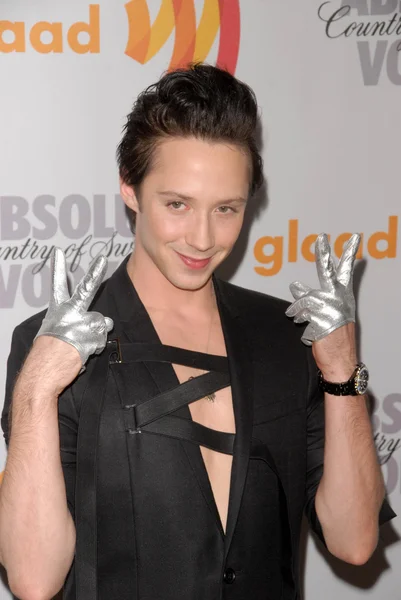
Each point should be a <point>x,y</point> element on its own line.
<point>173,399</point>
<point>150,352</point>
<point>153,417</point>
<point>190,431</point>
<point>144,415</point>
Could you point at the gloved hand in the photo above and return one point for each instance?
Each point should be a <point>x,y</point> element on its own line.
<point>333,305</point>
<point>67,318</point>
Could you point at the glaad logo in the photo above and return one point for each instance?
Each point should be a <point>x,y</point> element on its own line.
<point>14,36</point>
<point>270,250</point>
<point>377,48</point>
<point>192,43</point>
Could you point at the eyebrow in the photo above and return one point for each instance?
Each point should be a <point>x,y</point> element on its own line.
<point>170,193</point>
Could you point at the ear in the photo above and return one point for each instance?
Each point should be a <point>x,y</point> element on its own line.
<point>128,195</point>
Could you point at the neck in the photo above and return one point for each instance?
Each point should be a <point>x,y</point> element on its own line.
<point>158,293</point>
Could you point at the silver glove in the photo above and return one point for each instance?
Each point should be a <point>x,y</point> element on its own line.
<point>333,305</point>
<point>67,318</point>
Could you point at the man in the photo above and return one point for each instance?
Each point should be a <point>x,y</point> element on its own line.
<point>192,439</point>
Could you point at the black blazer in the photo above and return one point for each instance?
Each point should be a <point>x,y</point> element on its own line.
<point>147,523</point>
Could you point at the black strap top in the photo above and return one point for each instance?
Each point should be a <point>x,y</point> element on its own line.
<point>156,414</point>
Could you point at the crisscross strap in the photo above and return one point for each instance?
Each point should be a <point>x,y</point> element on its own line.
<point>166,424</point>
<point>190,431</point>
<point>181,395</point>
<point>152,352</point>
<point>152,416</point>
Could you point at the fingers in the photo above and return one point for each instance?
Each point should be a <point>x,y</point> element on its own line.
<point>109,323</point>
<point>305,303</point>
<point>346,265</point>
<point>89,284</point>
<point>302,316</point>
<point>308,335</point>
<point>100,327</point>
<point>326,269</point>
<point>299,289</point>
<point>100,324</point>
<point>59,283</point>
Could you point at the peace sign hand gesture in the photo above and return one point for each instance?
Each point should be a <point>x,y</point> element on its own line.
<point>67,318</point>
<point>332,306</point>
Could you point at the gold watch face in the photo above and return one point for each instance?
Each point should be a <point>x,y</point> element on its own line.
<point>362,380</point>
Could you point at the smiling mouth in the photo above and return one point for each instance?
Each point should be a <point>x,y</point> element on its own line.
<point>194,263</point>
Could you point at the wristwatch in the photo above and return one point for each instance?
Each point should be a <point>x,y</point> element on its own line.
<point>355,386</point>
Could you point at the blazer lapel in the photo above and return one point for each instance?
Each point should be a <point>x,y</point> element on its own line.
<point>240,363</point>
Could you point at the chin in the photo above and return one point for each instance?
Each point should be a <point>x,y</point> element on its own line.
<point>191,282</point>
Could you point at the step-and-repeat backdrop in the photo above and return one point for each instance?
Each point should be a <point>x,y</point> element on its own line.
<point>327,76</point>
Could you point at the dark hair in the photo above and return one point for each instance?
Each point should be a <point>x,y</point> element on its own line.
<point>202,101</point>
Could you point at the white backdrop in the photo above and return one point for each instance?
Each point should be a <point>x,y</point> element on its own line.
<point>327,79</point>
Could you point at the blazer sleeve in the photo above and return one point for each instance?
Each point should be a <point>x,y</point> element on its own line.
<point>315,453</point>
<point>22,339</point>
<point>314,446</point>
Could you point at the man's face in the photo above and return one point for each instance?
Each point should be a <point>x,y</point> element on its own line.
<point>191,208</point>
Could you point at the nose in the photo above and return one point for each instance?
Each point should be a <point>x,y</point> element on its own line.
<point>200,235</point>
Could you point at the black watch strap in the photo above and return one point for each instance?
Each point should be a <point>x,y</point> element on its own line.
<point>347,388</point>
<point>337,389</point>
